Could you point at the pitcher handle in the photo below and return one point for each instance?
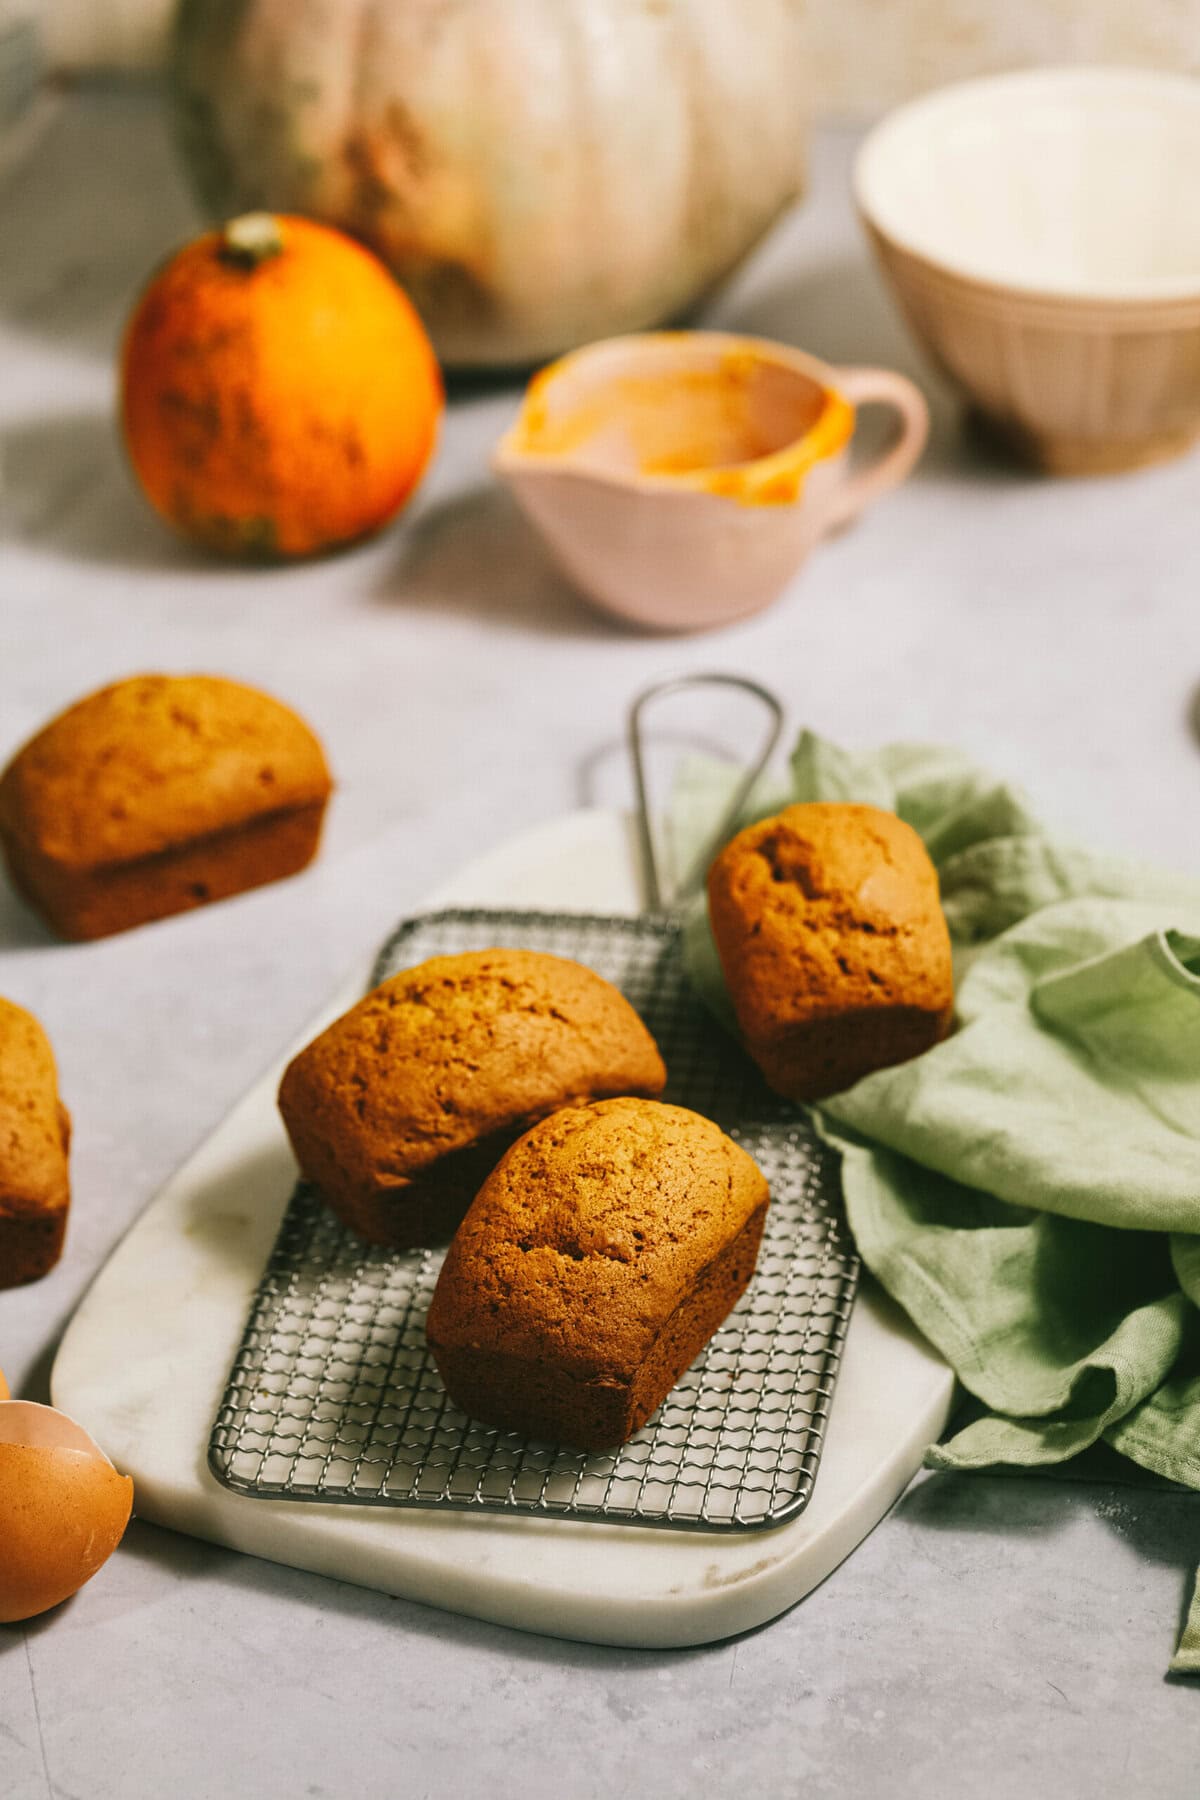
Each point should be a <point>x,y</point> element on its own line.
<point>880,387</point>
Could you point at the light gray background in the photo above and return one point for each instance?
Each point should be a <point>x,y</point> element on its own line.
<point>994,1636</point>
<point>861,54</point>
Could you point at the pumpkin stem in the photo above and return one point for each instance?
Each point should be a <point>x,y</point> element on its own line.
<point>251,239</point>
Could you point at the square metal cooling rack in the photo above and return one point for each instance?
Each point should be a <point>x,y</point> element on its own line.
<point>334,1396</point>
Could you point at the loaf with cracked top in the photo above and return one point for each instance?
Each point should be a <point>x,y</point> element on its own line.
<point>35,1136</point>
<point>599,1257</point>
<point>828,924</point>
<point>157,794</point>
<point>402,1106</point>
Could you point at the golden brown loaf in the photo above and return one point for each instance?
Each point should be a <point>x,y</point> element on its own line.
<point>35,1133</point>
<point>835,949</point>
<point>157,794</point>
<point>401,1107</point>
<point>596,1262</point>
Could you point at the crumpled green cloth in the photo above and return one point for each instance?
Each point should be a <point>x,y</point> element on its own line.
<point>1029,1189</point>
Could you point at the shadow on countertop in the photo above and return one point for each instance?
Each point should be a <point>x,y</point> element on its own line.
<point>1158,1521</point>
<point>178,1555</point>
<point>475,555</point>
<point>64,488</point>
<point>20,926</point>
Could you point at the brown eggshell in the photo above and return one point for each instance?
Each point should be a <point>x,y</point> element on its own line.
<point>4,1393</point>
<point>63,1508</point>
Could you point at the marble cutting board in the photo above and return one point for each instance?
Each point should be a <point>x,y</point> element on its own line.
<point>144,1362</point>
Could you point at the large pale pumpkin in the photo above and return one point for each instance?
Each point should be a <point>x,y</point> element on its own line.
<point>537,172</point>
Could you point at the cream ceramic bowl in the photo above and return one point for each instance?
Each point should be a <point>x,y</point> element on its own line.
<point>1042,235</point>
<point>681,478</point>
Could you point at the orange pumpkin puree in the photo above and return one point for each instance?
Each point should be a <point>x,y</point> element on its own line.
<point>705,429</point>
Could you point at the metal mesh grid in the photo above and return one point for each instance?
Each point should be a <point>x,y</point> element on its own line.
<point>334,1397</point>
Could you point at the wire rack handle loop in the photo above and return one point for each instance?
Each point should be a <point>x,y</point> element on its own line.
<point>660,899</point>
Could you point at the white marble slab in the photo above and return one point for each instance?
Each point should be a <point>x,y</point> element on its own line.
<point>144,1363</point>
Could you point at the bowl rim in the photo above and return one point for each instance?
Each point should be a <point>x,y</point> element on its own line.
<point>919,113</point>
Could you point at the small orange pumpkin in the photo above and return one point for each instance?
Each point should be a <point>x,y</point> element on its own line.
<point>279,393</point>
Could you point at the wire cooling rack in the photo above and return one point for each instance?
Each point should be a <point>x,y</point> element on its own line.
<point>334,1396</point>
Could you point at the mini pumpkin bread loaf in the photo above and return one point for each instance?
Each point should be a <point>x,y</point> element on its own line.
<point>833,942</point>
<point>35,1133</point>
<point>402,1106</point>
<point>596,1262</point>
<point>157,794</point>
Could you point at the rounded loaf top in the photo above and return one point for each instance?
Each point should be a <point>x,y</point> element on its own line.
<point>590,1232</point>
<point>451,1052</point>
<point>34,1126</point>
<point>828,923</point>
<point>823,902</point>
<point>155,761</point>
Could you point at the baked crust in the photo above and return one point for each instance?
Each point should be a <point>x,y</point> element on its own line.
<point>595,1263</point>
<point>836,954</point>
<point>158,794</point>
<point>399,1110</point>
<point>35,1135</point>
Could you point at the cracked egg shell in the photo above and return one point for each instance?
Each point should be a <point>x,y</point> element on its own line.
<point>63,1508</point>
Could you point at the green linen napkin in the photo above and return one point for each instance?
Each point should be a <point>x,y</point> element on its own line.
<point>1029,1189</point>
